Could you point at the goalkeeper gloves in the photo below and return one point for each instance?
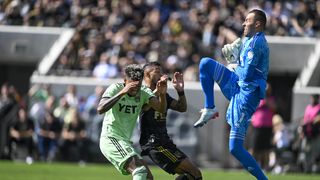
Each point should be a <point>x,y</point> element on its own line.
<point>231,51</point>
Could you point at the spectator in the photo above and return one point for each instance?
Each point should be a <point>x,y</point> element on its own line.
<point>104,69</point>
<point>48,137</point>
<point>311,110</point>
<point>12,12</point>
<point>85,64</point>
<point>61,111</point>
<point>39,92</point>
<point>281,142</point>
<point>310,144</point>
<point>302,21</point>
<point>7,101</point>
<point>8,111</point>
<point>39,109</point>
<point>262,128</point>
<point>74,139</point>
<point>281,138</point>
<point>21,133</point>
<point>64,65</point>
<point>39,95</point>
<point>71,96</point>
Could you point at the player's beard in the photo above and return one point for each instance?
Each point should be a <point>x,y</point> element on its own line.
<point>248,31</point>
<point>155,81</point>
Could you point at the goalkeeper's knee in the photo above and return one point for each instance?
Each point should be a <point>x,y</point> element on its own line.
<point>140,173</point>
<point>206,64</point>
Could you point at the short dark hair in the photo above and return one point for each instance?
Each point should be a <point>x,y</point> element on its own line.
<point>134,72</point>
<point>260,15</point>
<point>151,64</point>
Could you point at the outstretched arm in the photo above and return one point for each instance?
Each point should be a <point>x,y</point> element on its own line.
<point>178,83</point>
<point>160,104</point>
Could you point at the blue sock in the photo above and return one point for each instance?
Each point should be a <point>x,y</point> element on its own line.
<point>247,161</point>
<point>209,72</point>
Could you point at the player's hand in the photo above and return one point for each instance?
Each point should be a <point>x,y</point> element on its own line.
<point>131,87</point>
<point>178,82</point>
<point>161,87</point>
<point>231,52</point>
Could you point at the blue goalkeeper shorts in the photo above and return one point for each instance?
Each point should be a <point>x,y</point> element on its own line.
<point>243,101</point>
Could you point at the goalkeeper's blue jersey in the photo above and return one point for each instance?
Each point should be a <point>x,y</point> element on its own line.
<point>254,63</point>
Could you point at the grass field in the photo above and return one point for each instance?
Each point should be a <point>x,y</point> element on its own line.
<point>63,171</point>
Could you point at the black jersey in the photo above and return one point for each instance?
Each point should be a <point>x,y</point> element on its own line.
<point>153,124</point>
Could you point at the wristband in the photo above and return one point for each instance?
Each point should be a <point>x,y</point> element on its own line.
<point>181,93</point>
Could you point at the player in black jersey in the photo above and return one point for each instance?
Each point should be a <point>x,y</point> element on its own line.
<point>154,139</point>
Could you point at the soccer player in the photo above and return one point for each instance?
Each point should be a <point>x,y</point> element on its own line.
<point>122,103</point>
<point>154,139</point>
<point>243,87</point>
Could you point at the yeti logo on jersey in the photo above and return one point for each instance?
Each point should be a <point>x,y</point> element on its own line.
<point>129,109</point>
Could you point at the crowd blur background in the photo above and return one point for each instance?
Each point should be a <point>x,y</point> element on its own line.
<point>113,33</point>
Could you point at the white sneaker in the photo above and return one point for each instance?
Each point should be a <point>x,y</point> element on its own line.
<point>207,114</point>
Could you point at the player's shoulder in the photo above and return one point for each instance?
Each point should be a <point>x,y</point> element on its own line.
<point>113,88</point>
<point>146,90</point>
<point>116,86</point>
<point>259,40</point>
<point>260,37</point>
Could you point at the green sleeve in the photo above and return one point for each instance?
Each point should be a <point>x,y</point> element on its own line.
<point>112,90</point>
<point>146,94</point>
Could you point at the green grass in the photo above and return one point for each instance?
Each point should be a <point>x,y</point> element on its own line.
<point>64,171</point>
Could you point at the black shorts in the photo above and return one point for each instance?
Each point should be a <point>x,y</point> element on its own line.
<point>261,139</point>
<point>165,155</point>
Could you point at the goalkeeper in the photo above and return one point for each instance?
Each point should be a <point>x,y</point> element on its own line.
<point>243,88</point>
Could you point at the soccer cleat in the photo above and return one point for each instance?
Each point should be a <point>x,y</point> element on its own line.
<point>231,51</point>
<point>206,115</point>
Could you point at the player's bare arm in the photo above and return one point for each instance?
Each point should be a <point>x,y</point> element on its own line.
<point>106,103</point>
<point>178,83</point>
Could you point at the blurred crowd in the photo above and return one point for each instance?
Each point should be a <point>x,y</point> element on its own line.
<point>47,127</point>
<point>280,146</point>
<point>176,33</point>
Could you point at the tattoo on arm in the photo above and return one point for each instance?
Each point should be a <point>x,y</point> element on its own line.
<point>106,104</point>
<point>158,103</point>
<point>180,104</point>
